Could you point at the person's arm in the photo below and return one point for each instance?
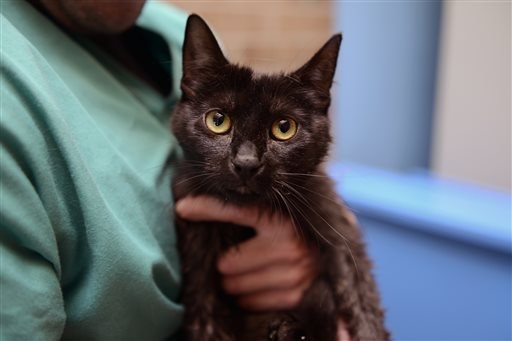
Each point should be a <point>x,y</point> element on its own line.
<point>31,302</point>
<point>268,272</point>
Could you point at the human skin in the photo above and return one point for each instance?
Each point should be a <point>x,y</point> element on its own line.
<point>91,16</point>
<point>270,271</point>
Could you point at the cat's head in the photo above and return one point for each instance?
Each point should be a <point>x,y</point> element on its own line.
<point>243,132</point>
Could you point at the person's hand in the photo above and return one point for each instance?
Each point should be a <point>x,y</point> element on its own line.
<point>343,334</point>
<point>268,272</point>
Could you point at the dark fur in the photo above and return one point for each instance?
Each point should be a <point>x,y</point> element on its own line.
<point>291,181</point>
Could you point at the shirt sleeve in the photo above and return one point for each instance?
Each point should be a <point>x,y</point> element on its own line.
<point>31,301</point>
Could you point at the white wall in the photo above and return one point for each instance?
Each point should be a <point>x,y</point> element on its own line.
<point>472,125</point>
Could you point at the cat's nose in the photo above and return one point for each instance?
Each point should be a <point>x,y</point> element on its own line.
<point>246,167</point>
<point>246,162</point>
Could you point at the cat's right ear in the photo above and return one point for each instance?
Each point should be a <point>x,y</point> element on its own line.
<point>319,70</point>
<point>201,52</point>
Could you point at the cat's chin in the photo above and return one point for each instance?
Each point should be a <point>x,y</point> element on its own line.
<point>244,190</point>
<point>242,194</point>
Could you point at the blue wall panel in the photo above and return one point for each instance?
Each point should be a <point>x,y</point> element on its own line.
<point>442,251</point>
<point>385,82</point>
<point>439,289</point>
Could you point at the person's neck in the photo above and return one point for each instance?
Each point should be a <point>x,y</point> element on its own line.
<point>114,45</point>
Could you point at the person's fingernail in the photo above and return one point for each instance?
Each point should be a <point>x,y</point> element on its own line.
<point>178,207</point>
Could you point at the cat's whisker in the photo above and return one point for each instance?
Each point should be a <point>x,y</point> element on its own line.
<point>299,196</point>
<point>205,182</point>
<point>161,165</point>
<point>277,203</point>
<point>313,192</point>
<point>298,209</point>
<point>290,212</point>
<point>191,164</point>
<point>275,236</point>
<point>270,197</point>
<point>303,174</point>
<point>316,193</point>
<point>334,201</point>
<point>199,182</point>
<point>211,184</point>
<point>190,178</point>
<point>317,232</point>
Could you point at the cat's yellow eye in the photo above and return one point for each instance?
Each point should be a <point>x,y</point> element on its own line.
<point>217,122</point>
<point>284,129</point>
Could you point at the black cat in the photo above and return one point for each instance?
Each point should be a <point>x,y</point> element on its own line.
<point>254,139</point>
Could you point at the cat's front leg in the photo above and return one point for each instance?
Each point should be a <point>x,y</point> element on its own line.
<point>357,299</point>
<point>207,316</point>
<point>315,319</point>
<point>203,324</point>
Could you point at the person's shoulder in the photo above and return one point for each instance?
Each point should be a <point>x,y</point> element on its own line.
<point>15,45</point>
<point>19,66</point>
<point>23,56</point>
<point>26,77</point>
<point>165,19</point>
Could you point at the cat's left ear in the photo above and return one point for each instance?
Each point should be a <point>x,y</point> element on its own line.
<point>200,48</point>
<point>319,70</point>
<point>201,53</point>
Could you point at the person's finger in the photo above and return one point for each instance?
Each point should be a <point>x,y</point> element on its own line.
<point>260,252</point>
<point>343,334</point>
<point>273,300</point>
<point>275,277</point>
<point>205,208</point>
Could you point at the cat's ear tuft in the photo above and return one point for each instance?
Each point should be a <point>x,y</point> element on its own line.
<point>319,70</point>
<point>200,48</point>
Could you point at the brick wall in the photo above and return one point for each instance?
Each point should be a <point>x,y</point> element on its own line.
<point>268,35</point>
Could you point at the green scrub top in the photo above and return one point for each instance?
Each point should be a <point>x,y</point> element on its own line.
<point>87,243</point>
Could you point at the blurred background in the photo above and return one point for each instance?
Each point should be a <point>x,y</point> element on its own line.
<point>422,126</point>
